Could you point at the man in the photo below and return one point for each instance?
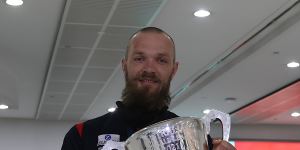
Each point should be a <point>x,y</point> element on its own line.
<point>149,66</point>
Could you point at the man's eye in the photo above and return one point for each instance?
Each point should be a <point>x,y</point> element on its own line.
<point>164,61</point>
<point>138,59</point>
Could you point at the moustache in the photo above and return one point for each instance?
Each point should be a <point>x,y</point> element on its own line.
<point>148,76</point>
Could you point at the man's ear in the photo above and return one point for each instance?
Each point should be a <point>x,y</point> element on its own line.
<point>124,64</point>
<point>175,67</point>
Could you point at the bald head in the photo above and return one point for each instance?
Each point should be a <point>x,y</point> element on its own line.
<point>150,30</point>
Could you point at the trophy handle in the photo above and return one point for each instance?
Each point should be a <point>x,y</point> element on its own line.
<point>223,117</point>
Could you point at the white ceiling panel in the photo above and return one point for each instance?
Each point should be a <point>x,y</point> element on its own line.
<point>89,11</point>
<point>135,12</point>
<point>121,30</point>
<point>56,98</point>
<point>71,56</point>
<point>48,115</point>
<point>104,58</point>
<point>71,116</point>
<point>62,73</point>
<point>79,36</point>
<point>52,108</point>
<point>110,41</point>
<point>50,111</point>
<point>97,75</point>
<point>116,38</point>
<point>62,87</point>
<point>88,88</point>
<point>75,108</point>
<point>81,99</point>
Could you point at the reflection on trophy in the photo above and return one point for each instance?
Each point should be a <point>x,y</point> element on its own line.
<point>182,133</point>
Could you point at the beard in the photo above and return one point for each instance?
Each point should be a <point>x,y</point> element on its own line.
<point>141,99</point>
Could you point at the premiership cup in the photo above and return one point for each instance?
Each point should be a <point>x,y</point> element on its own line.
<point>181,133</point>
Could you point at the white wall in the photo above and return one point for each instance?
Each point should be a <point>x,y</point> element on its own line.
<point>21,134</point>
<point>266,132</point>
<point>260,132</point>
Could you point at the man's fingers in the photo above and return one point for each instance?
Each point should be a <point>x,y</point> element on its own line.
<point>222,145</point>
<point>217,141</point>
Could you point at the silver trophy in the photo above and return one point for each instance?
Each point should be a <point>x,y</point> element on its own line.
<point>181,133</point>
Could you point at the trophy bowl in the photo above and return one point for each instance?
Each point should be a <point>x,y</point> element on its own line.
<point>181,133</point>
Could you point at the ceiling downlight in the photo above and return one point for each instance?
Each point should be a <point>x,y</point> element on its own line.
<point>3,106</point>
<point>14,2</point>
<point>295,114</point>
<point>202,13</point>
<point>293,64</point>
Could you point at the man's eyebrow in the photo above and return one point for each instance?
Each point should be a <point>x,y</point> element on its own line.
<point>138,53</point>
<point>163,55</point>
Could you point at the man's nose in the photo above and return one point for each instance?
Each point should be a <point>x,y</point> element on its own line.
<point>149,66</point>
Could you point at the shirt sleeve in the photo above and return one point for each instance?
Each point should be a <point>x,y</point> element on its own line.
<point>72,140</point>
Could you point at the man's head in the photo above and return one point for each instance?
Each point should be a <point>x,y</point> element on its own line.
<point>149,66</point>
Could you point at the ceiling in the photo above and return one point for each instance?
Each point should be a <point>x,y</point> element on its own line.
<point>60,60</point>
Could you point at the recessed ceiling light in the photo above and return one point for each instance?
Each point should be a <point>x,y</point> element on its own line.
<point>293,64</point>
<point>14,2</point>
<point>206,111</point>
<point>202,13</point>
<point>2,106</point>
<point>295,114</point>
<point>112,109</point>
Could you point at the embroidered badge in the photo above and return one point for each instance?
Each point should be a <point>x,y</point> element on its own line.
<point>107,137</point>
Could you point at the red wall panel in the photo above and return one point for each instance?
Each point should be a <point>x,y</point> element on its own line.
<point>253,145</point>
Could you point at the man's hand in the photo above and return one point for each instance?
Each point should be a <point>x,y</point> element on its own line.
<point>222,145</point>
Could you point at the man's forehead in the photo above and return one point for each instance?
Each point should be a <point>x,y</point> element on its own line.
<point>148,33</point>
<point>161,53</point>
<point>141,35</point>
<point>144,36</point>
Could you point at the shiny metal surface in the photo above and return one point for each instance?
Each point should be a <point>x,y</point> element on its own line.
<point>182,133</point>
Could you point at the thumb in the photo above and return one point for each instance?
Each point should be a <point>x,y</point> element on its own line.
<point>217,141</point>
